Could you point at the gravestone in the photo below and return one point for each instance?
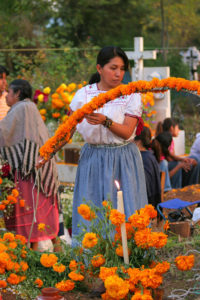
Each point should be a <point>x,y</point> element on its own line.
<point>192,58</point>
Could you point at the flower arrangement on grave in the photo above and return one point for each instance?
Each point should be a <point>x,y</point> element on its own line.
<point>63,132</point>
<point>9,195</point>
<point>102,249</point>
<point>54,106</point>
<point>99,255</point>
<point>148,114</point>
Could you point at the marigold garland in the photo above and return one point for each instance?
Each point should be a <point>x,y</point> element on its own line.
<point>63,132</point>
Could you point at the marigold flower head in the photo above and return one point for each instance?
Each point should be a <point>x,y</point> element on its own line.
<point>98,260</point>
<point>38,282</point>
<point>184,263</point>
<point>65,285</point>
<point>106,272</point>
<point>48,260</point>
<point>90,240</point>
<point>47,90</point>
<point>75,276</point>
<point>85,211</point>
<point>8,236</point>
<point>13,279</point>
<point>162,268</point>
<point>40,98</point>
<point>60,268</point>
<point>3,284</point>
<point>116,217</point>
<point>41,227</point>
<point>166,225</point>
<point>116,287</point>
<point>1,180</point>
<point>15,193</point>
<point>21,238</point>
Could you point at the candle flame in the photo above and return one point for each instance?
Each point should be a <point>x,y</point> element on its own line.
<point>117,185</point>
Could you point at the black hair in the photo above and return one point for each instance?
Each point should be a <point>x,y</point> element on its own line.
<point>165,125</point>
<point>23,86</point>
<point>144,137</point>
<point>3,70</point>
<point>164,139</point>
<point>104,56</point>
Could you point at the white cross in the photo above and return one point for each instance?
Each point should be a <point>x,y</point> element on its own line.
<point>138,55</point>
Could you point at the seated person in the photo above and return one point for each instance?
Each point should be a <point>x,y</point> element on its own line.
<point>189,165</point>
<point>151,167</point>
<point>195,149</point>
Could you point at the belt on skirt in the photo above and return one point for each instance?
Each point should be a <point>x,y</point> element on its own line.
<point>109,145</point>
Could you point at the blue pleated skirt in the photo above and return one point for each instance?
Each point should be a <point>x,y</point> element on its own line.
<point>99,166</point>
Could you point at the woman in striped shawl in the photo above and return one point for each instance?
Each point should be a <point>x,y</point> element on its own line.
<point>22,133</point>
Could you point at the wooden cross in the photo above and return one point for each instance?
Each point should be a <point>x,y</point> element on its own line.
<point>138,55</point>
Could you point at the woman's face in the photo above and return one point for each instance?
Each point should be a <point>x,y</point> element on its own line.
<point>11,97</point>
<point>112,73</point>
<point>175,131</point>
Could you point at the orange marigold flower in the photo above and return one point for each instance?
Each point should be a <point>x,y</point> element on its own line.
<point>59,268</point>
<point>8,236</point>
<point>76,266</point>
<point>15,193</point>
<point>3,247</point>
<point>11,199</point>
<point>116,217</point>
<point>90,240</point>
<point>134,277</point>
<point>150,279</point>
<point>166,225</point>
<point>13,279</point>
<point>116,287</point>
<point>38,282</point>
<point>1,180</point>
<point>106,272</point>
<point>12,245</point>
<point>162,268</point>
<point>184,263</point>
<point>85,211</point>
<point>2,206</point>
<point>41,227</point>
<point>21,202</point>
<point>3,284</point>
<point>150,210</point>
<point>56,115</point>
<point>23,265</point>
<point>139,296</point>
<point>98,260</point>
<point>76,276</point>
<point>139,221</point>
<point>48,260</point>
<point>21,238</point>
<point>65,285</point>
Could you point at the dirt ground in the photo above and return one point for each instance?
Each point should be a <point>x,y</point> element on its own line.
<point>172,280</point>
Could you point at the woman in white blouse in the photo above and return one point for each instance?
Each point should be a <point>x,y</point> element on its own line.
<point>109,153</point>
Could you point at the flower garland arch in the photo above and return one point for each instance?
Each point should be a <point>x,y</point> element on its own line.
<point>63,132</point>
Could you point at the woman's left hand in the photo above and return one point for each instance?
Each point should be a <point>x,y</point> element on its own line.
<point>95,118</point>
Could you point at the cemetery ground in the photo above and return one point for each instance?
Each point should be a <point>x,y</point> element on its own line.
<point>174,279</point>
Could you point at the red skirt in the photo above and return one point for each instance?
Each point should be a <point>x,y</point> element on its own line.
<point>20,222</point>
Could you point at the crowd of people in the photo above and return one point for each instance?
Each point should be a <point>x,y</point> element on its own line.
<point>115,149</point>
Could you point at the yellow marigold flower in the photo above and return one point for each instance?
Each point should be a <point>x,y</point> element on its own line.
<point>59,268</point>
<point>47,90</point>
<point>43,111</point>
<point>116,217</point>
<point>90,240</point>
<point>48,260</point>
<point>65,285</point>
<point>71,87</point>
<point>98,260</point>
<point>41,227</point>
<point>116,287</point>
<point>15,193</point>
<point>106,272</point>
<point>8,236</point>
<point>3,284</point>
<point>75,276</point>
<point>13,279</point>
<point>184,263</point>
<point>85,211</point>
<point>40,98</point>
<point>38,282</point>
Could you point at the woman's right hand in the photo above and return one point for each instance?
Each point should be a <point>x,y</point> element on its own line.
<point>185,166</point>
<point>40,162</point>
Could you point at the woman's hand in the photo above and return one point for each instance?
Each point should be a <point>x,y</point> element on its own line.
<point>95,118</point>
<point>40,162</point>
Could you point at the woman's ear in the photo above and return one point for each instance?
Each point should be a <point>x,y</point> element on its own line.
<point>99,68</point>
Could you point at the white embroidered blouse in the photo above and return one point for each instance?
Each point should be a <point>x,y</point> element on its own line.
<point>116,110</point>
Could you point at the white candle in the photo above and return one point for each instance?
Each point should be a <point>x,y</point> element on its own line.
<point>120,208</point>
